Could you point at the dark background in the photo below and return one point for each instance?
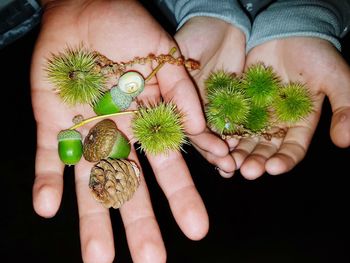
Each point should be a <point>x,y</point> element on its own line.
<point>300,216</point>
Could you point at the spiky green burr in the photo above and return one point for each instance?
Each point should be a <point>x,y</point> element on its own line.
<point>293,104</point>
<point>75,77</point>
<point>70,147</point>
<point>159,129</point>
<point>221,79</point>
<point>227,108</point>
<point>261,84</point>
<point>257,119</point>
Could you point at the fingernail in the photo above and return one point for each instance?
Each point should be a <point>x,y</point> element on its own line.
<point>223,173</point>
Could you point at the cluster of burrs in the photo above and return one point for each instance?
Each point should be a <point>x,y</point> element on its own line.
<point>254,103</point>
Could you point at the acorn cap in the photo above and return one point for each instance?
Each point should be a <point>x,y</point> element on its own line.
<point>69,135</point>
<point>131,83</point>
<point>100,140</point>
<point>120,99</point>
<point>106,105</point>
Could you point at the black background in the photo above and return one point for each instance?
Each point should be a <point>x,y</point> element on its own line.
<point>300,216</point>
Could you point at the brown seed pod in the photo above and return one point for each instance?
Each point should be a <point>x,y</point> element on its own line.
<point>114,181</point>
<point>105,140</point>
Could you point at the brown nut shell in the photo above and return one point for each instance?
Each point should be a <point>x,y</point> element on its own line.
<point>114,181</point>
<point>100,140</point>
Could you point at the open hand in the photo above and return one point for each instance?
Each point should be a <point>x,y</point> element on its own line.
<point>321,67</point>
<point>120,30</point>
<point>217,45</point>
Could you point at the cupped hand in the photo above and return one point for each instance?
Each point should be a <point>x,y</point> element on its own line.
<point>120,30</point>
<point>217,45</point>
<point>321,67</point>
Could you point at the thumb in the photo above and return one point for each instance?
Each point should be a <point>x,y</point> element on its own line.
<point>338,92</point>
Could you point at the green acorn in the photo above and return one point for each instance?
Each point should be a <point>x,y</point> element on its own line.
<point>70,147</point>
<point>105,140</point>
<point>75,77</point>
<point>261,84</point>
<point>113,101</point>
<point>131,83</point>
<point>294,103</point>
<point>159,130</point>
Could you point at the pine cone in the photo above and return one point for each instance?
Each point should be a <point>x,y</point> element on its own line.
<point>114,181</point>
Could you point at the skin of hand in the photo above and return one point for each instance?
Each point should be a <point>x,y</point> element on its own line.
<point>217,45</point>
<point>119,30</point>
<point>321,67</point>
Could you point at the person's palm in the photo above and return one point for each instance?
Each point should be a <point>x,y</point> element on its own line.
<point>319,65</point>
<point>217,45</point>
<point>120,30</point>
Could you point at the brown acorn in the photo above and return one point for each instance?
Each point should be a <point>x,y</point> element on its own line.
<point>113,182</point>
<point>105,140</point>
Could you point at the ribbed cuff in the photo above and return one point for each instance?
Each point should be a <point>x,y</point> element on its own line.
<point>226,10</point>
<point>297,18</point>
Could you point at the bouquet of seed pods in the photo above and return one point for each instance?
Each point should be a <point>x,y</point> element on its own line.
<point>253,104</point>
<point>81,76</point>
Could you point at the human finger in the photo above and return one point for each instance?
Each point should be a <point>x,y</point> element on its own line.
<point>141,227</point>
<point>96,235</point>
<point>174,178</point>
<point>176,86</point>
<point>337,88</point>
<point>222,160</point>
<point>209,142</point>
<point>254,165</point>
<point>295,143</point>
<point>243,149</point>
<point>48,184</point>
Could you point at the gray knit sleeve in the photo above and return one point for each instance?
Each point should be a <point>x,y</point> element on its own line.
<point>17,18</point>
<point>329,20</point>
<point>227,10</point>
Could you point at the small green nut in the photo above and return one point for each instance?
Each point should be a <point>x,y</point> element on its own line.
<point>70,147</point>
<point>112,101</point>
<point>131,83</point>
<point>121,147</point>
<point>105,140</point>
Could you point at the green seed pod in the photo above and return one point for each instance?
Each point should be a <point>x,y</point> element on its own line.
<point>261,84</point>
<point>131,83</point>
<point>221,80</point>
<point>105,140</point>
<point>70,147</point>
<point>257,119</point>
<point>113,101</point>
<point>159,129</point>
<point>294,103</point>
<point>227,109</point>
<point>74,76</point>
